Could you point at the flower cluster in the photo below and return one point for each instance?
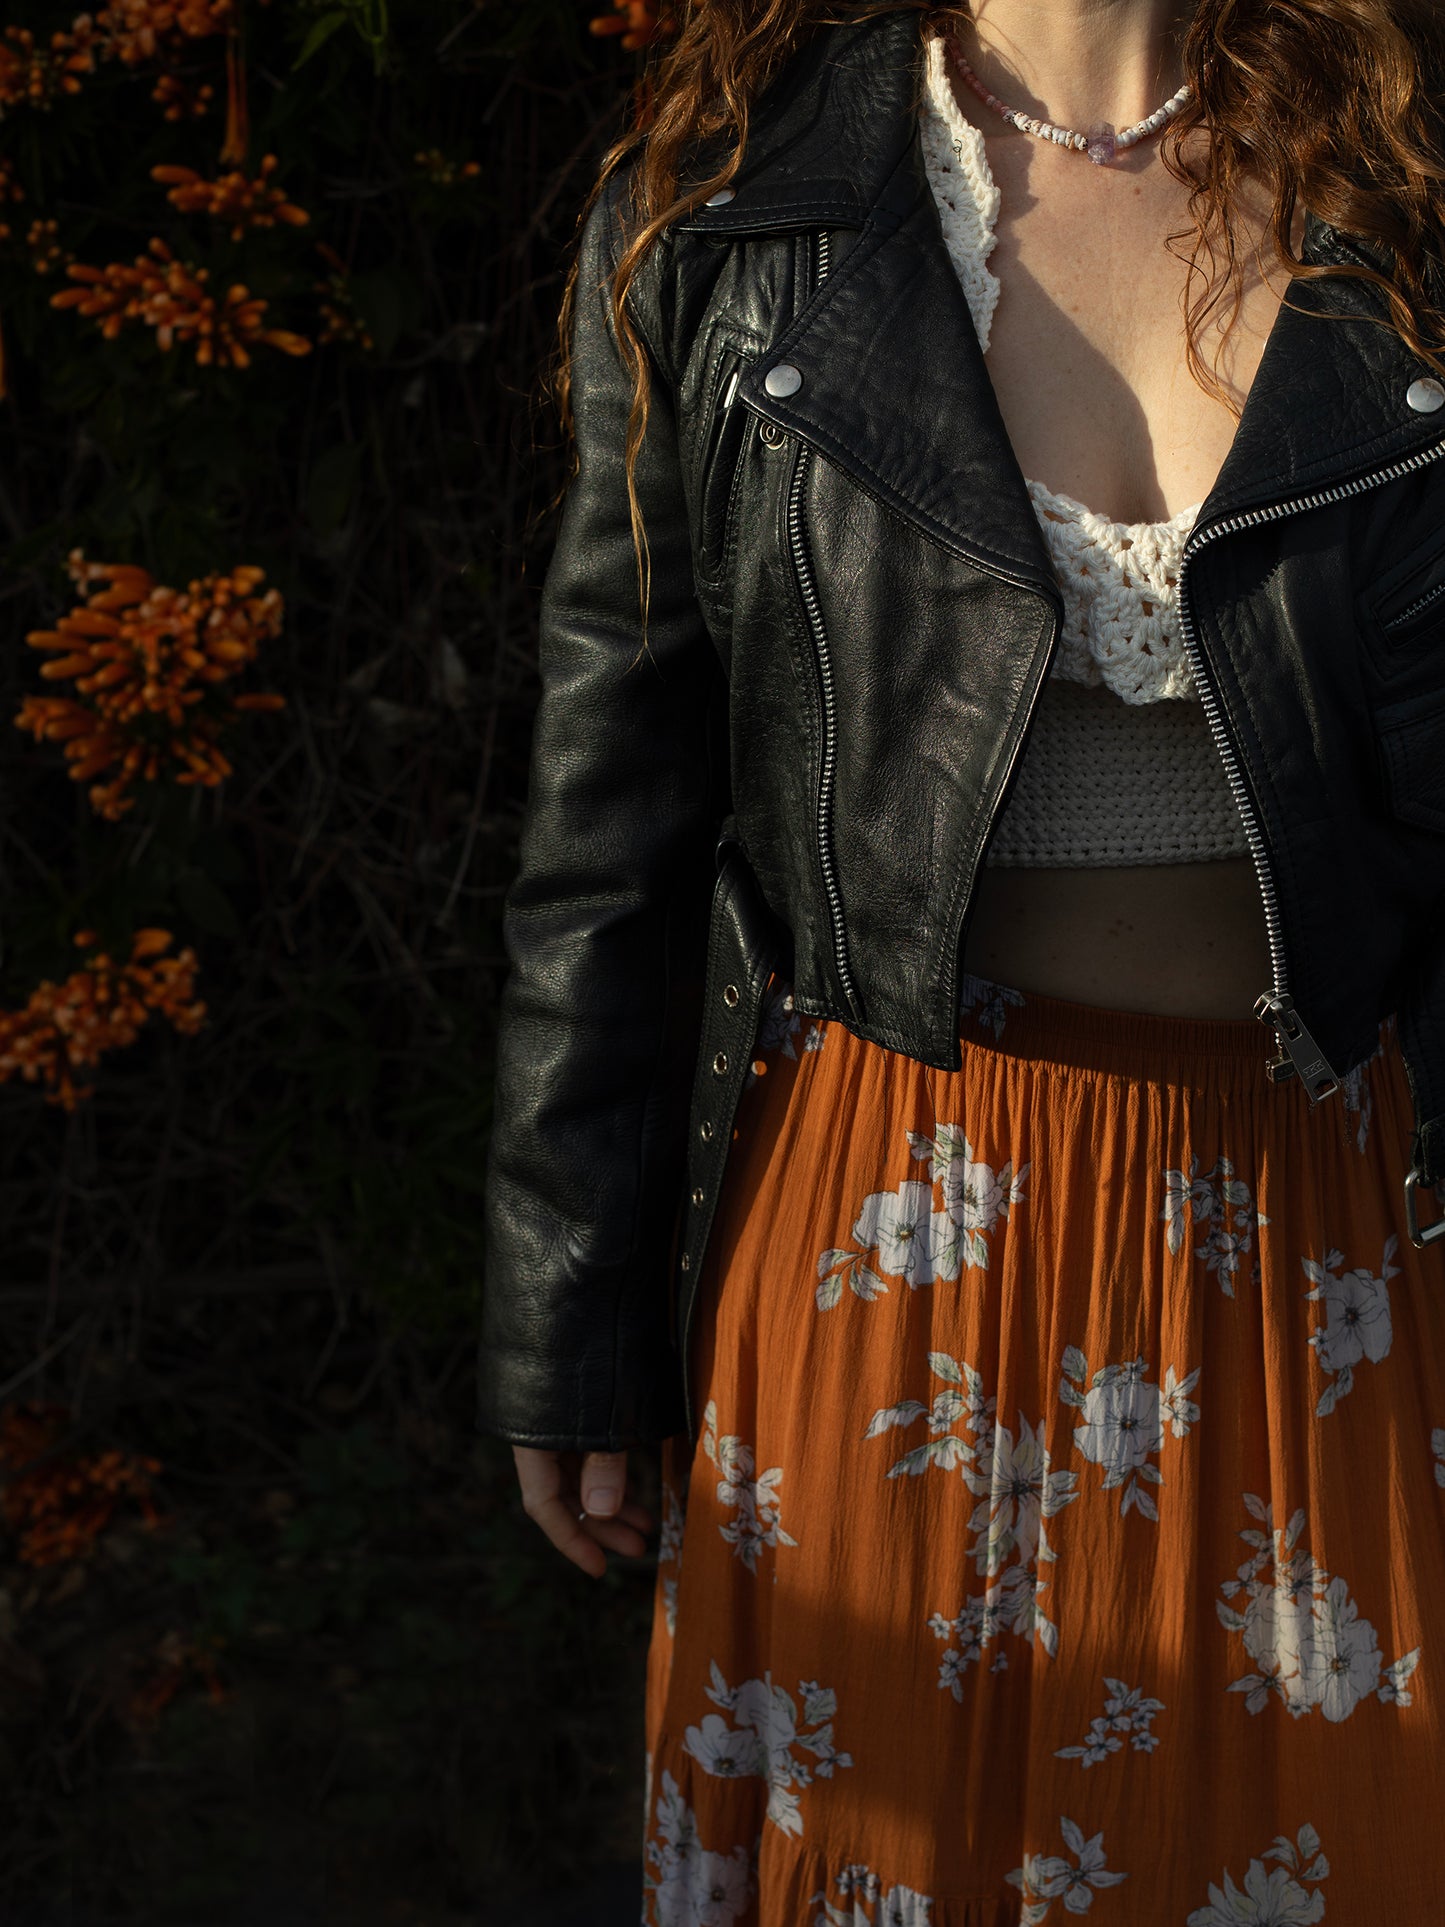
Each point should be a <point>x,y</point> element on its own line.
<point>59,1507</point>
<point>640,22</point>
<point>68,1027</point>
<point>445,173</point>
<point>45,249</point>
<point>171,297</point>
<point>132,31</point>
<point>232,198</point>
<point>33,72</point>
<point>146,661</point>
<point>181,1660</point>
<point>182,98</point>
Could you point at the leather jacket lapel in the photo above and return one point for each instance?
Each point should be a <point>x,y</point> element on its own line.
<point>895,386</point>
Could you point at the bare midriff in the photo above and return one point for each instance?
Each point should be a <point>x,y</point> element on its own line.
<point>1087,360</point>
<point>1174,939</point>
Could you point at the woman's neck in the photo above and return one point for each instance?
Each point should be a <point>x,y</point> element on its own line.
<point>1075,62</point>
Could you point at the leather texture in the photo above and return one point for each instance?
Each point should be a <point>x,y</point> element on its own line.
<point>853,612</point>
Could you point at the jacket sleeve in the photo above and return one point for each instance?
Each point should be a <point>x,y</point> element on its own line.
<point>605,930</point>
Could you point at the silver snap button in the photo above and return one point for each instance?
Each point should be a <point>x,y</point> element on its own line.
<point>686,1261</point>
<point>722,197</point>
<point>704,1131</point>
<point>720,1063</point>
<point>697,1195</point>
<point>770,435</point>
<point>785,379</point>
<point>1425,395</point>
<point>730,995</point>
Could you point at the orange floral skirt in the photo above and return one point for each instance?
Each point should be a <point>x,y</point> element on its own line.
<point>1066,1532</point>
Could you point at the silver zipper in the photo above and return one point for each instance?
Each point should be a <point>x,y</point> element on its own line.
<point>1412,608</point>
<point>1301,1055</point>
<point>802,563</point>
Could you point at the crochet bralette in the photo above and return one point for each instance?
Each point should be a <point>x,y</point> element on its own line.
<point>1120,766</point>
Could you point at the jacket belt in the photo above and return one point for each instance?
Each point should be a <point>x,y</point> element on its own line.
<point>746,943</point>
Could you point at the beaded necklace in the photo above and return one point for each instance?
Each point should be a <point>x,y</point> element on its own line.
<point>1101,143</point>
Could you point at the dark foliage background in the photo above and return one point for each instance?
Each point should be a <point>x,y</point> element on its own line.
<point>275,1638</point>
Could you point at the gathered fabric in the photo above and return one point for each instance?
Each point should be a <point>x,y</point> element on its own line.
<point>1065,1534</point>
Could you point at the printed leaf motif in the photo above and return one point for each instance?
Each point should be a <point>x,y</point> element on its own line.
<point>943,1366</point>
<point>1075,1363</point>
<point>901,1414</point>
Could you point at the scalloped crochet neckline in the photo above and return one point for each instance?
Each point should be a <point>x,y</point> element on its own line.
<point>968,144</point>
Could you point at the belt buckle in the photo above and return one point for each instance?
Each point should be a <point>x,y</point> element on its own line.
<point>1413,1177</point>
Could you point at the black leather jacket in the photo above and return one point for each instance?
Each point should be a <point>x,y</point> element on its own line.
<point>852,615</point>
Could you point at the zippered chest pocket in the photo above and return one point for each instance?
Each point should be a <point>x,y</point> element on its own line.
<point>719,468</point>
<point>1402,615</point>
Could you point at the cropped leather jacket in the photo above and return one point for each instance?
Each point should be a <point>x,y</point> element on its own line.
<point>852,615</point>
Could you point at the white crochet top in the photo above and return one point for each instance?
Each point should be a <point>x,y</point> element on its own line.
<point>1120,766</point>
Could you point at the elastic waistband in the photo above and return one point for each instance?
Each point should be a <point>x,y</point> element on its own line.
<point>1129,1043</point>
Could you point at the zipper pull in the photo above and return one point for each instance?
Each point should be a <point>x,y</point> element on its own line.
<point>1301,1053</point>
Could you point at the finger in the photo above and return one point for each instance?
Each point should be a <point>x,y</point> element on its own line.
<point>604,1482</point>
<point>616,1534</point>
<point>632,1512</point>
<point>571,1537</point>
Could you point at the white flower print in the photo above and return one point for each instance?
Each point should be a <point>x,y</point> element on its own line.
<point>1126,1710</point>
<point>1044,1877</point>
<point>1270,1897</point>
<point>1226,1244</point>
<point>992,1000</point>
<point>1017,1492</point>
<point>669,1550</point>
<point>1123,1421</point>
<point>1310,1646</point>
<point>869,1906</point>
<point>974,1196</point>
<point>768,1728</point>
<point>1358,1325</point>
<point>685,1884</point>
<point>901,1225</point>
<point>918,1238</point>
<point>756,1499</point>
<point>1020,1492</point>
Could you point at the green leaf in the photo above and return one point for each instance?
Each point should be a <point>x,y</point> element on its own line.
<point>320,33</point>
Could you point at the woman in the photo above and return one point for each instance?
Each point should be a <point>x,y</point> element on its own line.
<point>1050,1373</point>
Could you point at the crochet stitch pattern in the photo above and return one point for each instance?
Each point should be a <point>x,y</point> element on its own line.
<point>1103,782</point>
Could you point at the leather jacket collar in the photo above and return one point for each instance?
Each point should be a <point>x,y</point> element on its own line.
<point>837,147</point>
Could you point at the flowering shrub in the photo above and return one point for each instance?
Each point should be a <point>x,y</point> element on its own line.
<point>147,662</point>
<point>232,198</point>
<point>640,22</point>
<point>57,1508</point>
<point>68,1027</point>
<point>171,297</point>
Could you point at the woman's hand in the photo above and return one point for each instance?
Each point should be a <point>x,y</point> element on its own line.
<point>555,1490</point>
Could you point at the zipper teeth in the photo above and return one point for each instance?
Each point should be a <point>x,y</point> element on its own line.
<point>1210,697</point>
<point>802,564</point>
<point>1413,608</point>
